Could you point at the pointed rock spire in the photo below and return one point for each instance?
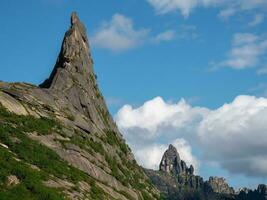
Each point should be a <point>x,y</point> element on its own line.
<point>172,163</point>
<point>73,80</point>
<point>74,62</point>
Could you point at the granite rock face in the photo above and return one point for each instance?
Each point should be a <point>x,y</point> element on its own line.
<point>171,163</point>
<point>73,76</point>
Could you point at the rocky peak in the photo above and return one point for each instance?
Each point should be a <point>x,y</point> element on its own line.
<point>73,80</point>
<point>172,163</point>
<point>74,62</point>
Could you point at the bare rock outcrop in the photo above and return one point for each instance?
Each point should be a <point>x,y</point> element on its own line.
<point>12,180</point>
<point>177,181</point>
<point>171,163</point>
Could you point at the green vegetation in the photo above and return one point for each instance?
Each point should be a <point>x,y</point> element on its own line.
<point>115,170</point>
<point>96,192</point>
<point>104,114</point>
<point>28,151</point>
<point>30,186</point>
<point>13,133</point>
<point>113,139</point>
<point>37,154</point>
<point>86,143</point>
<point>129,174</point>
<point>29,123</point>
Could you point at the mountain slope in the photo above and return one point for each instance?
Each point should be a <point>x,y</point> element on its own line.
<point>58,140</point>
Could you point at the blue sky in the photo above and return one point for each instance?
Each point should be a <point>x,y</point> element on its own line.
<point>206,51</point>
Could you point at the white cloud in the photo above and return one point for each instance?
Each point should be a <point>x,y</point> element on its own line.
<point>228,7</point>
<point>247,51</point>
<point>236,134</point>
<point>119,34</point>
<point>143,128</point>
<point>258,19</point>
<point>150,156</point>
<point>233,136</point>
<point>156,113</point>
<point>165,36</point>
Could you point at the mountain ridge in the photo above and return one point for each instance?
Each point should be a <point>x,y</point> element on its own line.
<point>176,181</point>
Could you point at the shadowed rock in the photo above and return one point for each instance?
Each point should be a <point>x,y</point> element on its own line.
<point>171,163</point>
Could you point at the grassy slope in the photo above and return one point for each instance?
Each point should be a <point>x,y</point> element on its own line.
<point>23,151</point>
<point>13,133</point>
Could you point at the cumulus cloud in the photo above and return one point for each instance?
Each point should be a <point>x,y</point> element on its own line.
<point>247,51</point>
<point>157,113</point>
<point>119,34</point>
<point>236,134</point>
<point>185,7</point>
<point>147,126</point>
<point>150,156</point>
<point>233,136</point>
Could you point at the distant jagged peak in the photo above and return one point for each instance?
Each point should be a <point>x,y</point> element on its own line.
<point>172,163</point>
